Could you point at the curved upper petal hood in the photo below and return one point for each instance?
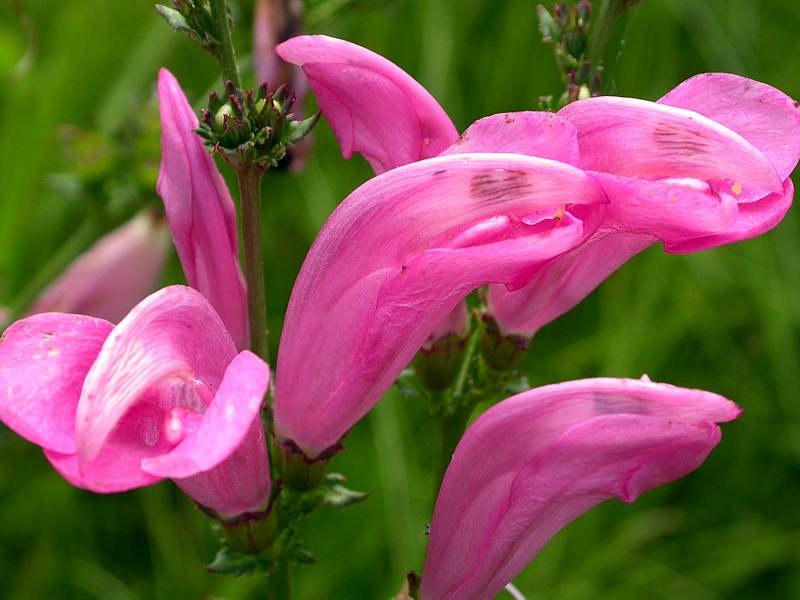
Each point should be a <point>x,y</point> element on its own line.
<point>200,211</point>
<point>763,115</point>
<point>533,463</point>
<point>396,256</point>
<point>635,138</point>
<point>372,105</point>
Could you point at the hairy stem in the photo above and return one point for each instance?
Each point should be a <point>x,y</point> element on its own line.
<point>250,198</point>
<point>226,55</point>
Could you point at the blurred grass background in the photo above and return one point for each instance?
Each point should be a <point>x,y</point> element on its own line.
<point>727,320</point>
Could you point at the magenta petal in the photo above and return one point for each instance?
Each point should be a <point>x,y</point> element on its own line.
<point>200,211</point>
<point>535,462</point>
<point>761,114</point>
<point>43,361</point>
<point>396,256</point>
<point>372,105</point>
<point>668,209</point>
<point>224,425</point>
<point>224,464</point>
<point>171,348</point>
<point>541,134</point>
<point>635,138</point>
<point>563,282</point>
<point>114,470</point>
<point>754,218</point>
<point>109,278</point>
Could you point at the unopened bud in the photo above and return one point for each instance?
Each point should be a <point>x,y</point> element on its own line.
<point>502,352</point>
<point>225,110</point>
<point>439,360</point>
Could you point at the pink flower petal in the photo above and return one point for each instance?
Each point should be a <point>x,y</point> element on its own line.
<point>634,138</point>
<point>200,211</point>
<point>392,261</point>
<point>541,134</point>
<point>109,278</point>
<point>754,218</point>
<point>355,88</point>
<point>43,361</point>
<point>172,347</point>
<point>761,114</point>
<point>223,464</point>
<point>667,209</point>
<point>564,282</point>
<point>537,461</point>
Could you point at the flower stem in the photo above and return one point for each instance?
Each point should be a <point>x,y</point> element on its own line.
<point>279,582</point>
<point>226,55</point>
<point>250,199</point>
<point>603,27</point>
<point>452,426</point>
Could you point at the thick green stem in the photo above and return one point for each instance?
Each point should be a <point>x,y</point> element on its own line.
<point>226,55</point>
<point>250,199</point>
<point>279,582</point>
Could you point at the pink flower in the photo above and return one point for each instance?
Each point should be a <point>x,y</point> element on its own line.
<point>161,395</point>
<point>395,258</point>
<point>706,165</point>
<point>200,211</point>
<point>113,275</point>
<point>537,461</point>
<point>445,216</point>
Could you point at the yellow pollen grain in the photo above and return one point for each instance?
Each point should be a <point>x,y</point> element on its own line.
<point>736,188</point>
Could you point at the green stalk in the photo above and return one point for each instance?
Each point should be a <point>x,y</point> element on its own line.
<point>603,26</point>
<point>226,55</point>
<point>279,582</point>
<point>250,198</point>
<point>452,426</point>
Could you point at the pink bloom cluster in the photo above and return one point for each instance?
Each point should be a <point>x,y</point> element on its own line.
<point>540,207</point>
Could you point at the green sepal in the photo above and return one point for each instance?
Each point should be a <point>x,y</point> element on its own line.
<point>229,562</point>
<point>294,131</point>
<point>335,494</point>
<point>174,18</point>
<point>547,25</point>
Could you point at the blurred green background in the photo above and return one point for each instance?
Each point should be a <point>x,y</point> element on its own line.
<point>727,320</point>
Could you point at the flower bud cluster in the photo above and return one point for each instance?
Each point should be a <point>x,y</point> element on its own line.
<point>253,126</point>
<point>567,29</point>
